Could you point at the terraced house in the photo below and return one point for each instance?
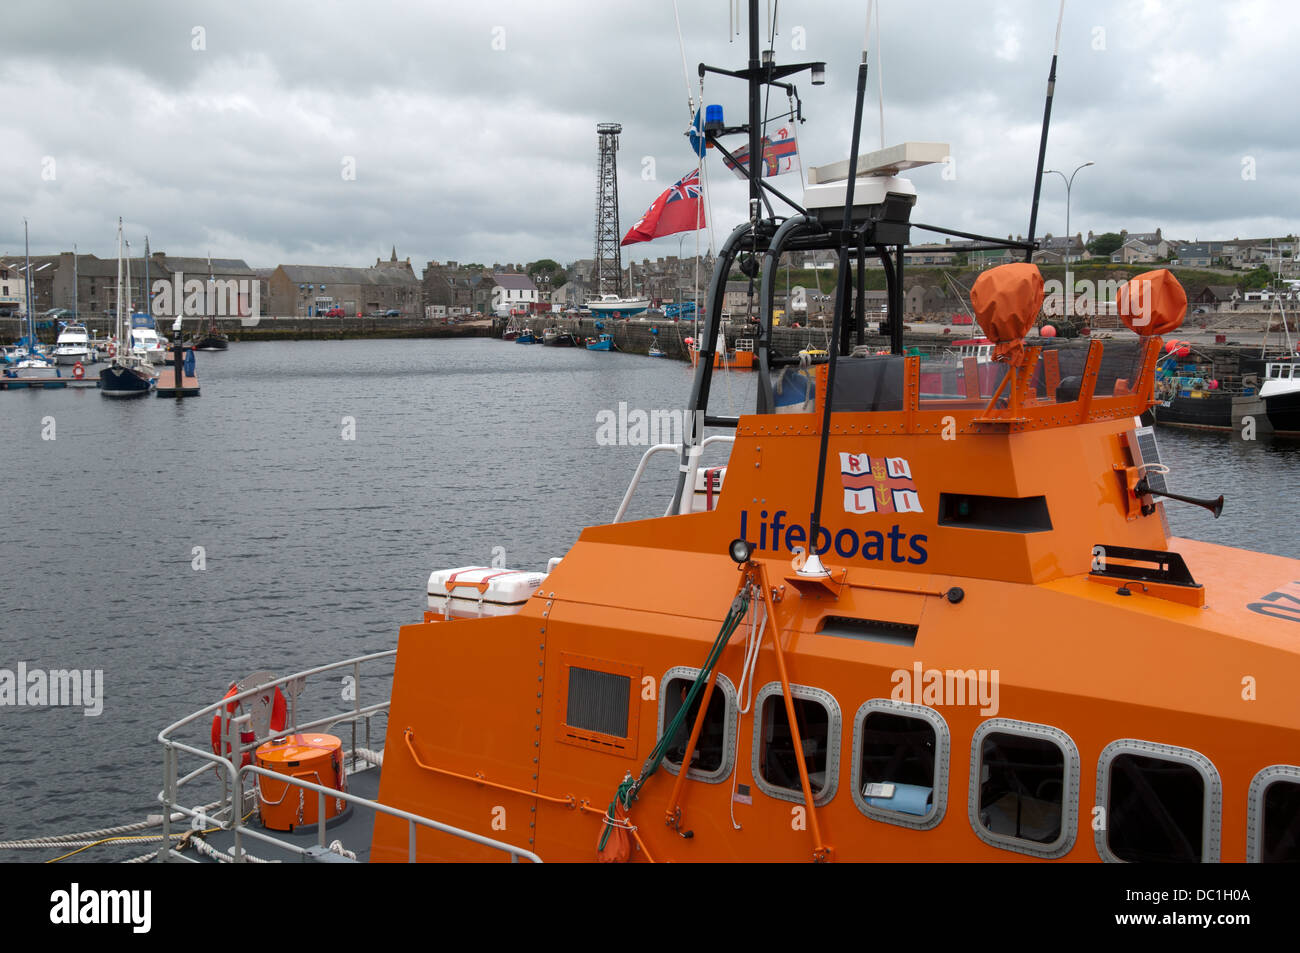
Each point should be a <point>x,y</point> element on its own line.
<point>310,290</point>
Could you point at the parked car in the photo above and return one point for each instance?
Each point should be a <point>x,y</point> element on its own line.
<point>334,313</point>
<point>392,313</point>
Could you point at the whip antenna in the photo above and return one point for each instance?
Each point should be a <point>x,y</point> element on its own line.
<point>1042,142</point>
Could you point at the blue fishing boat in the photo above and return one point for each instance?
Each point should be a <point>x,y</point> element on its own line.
<point>526,336</point>
<point>604,343</point>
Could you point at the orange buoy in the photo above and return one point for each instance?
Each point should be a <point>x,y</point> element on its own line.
<point>78,372</point>
<point>247,737</point>
<point>317,758</point>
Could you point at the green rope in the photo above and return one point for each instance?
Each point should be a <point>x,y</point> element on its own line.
<point>629,789</point>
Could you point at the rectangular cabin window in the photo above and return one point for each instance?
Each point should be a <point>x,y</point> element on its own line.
<point>1021,787</point>
<point>715,748</point>
<point>900,765</point>
<point>778,762</point>
<point>1000,513</point>
<point>1155,811</point>
<point>1280,835</point>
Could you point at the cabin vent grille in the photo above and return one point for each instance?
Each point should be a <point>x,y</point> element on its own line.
<point>598,701</point>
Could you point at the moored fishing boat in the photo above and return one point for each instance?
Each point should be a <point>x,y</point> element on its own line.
<point>557,337</point>
<point>1281,396</point>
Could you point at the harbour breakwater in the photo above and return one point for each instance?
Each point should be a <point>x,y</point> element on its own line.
<point>277,328</point>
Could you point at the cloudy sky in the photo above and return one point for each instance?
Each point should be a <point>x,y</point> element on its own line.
<point>470,127</point>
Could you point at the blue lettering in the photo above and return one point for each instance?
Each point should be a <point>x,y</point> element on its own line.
<point>847,542</point>
<point>794,536</point>
<point>895,537</point>
<point>917,548</point>
<point>776,530</point>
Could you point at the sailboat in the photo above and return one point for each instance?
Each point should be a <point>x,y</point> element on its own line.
<point>28,363</point>
<point>129,373</point>
<point>211,339</point>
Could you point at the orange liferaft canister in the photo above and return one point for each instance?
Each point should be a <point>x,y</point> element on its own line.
<point>317,758</point>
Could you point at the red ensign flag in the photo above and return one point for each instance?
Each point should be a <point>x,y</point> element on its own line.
<point>679,209</point>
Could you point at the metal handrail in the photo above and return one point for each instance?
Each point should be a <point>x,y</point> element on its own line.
<point>696,452</point>
<point>233,778</point>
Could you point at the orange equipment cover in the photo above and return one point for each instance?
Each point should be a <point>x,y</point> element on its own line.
<point>1007,300</point>
<point>1152,303</point>
<point>317,758</point>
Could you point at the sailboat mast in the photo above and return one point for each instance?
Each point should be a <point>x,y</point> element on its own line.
<point>27,285</point>
<point>118,329</point>
<point>148,297</point>
<point>76,312</point>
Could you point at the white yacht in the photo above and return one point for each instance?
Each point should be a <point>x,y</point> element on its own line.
<point>73,345</point>
<point>145,341</point>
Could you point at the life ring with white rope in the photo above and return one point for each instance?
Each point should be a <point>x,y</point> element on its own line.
<point>246,736</point>
<point>78,372</point>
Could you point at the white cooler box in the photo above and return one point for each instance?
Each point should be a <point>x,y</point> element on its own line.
<point>474,592</point>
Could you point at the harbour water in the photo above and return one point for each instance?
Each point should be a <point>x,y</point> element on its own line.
<point>291,516</point>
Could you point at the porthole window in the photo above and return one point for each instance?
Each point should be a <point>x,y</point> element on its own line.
<point>776,768</point>
<point>715,750</point>
<point>900,763</point>
<point>1024,787</point>
<point>1273,833</point>
<point>1161,804</point>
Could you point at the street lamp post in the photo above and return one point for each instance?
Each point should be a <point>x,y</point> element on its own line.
<point>1069,279</point>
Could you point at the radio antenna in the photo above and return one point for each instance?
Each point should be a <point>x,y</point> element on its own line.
<point>1042,142</point>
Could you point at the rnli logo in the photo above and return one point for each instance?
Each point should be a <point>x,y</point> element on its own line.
<point>878,484</point>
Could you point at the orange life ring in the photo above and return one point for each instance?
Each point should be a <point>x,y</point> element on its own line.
<point>278,721</point>
<point>112,349</point>
<point>78,372</point>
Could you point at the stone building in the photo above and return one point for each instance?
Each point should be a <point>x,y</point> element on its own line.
<point>307,290</point>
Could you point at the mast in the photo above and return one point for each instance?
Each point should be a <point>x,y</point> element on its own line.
<point>75,310</point>
<point>1042,142</point>
<point>212,318</point>
<point>118,329</point>
<point>148,297</point>
<point>27,285</point>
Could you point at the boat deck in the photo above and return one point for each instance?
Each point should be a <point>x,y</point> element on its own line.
<point>353,829</point>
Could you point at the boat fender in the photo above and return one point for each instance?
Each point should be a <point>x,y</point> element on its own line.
<point>278,721</point>
<point>112,349</point>
<point>78,372</point>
